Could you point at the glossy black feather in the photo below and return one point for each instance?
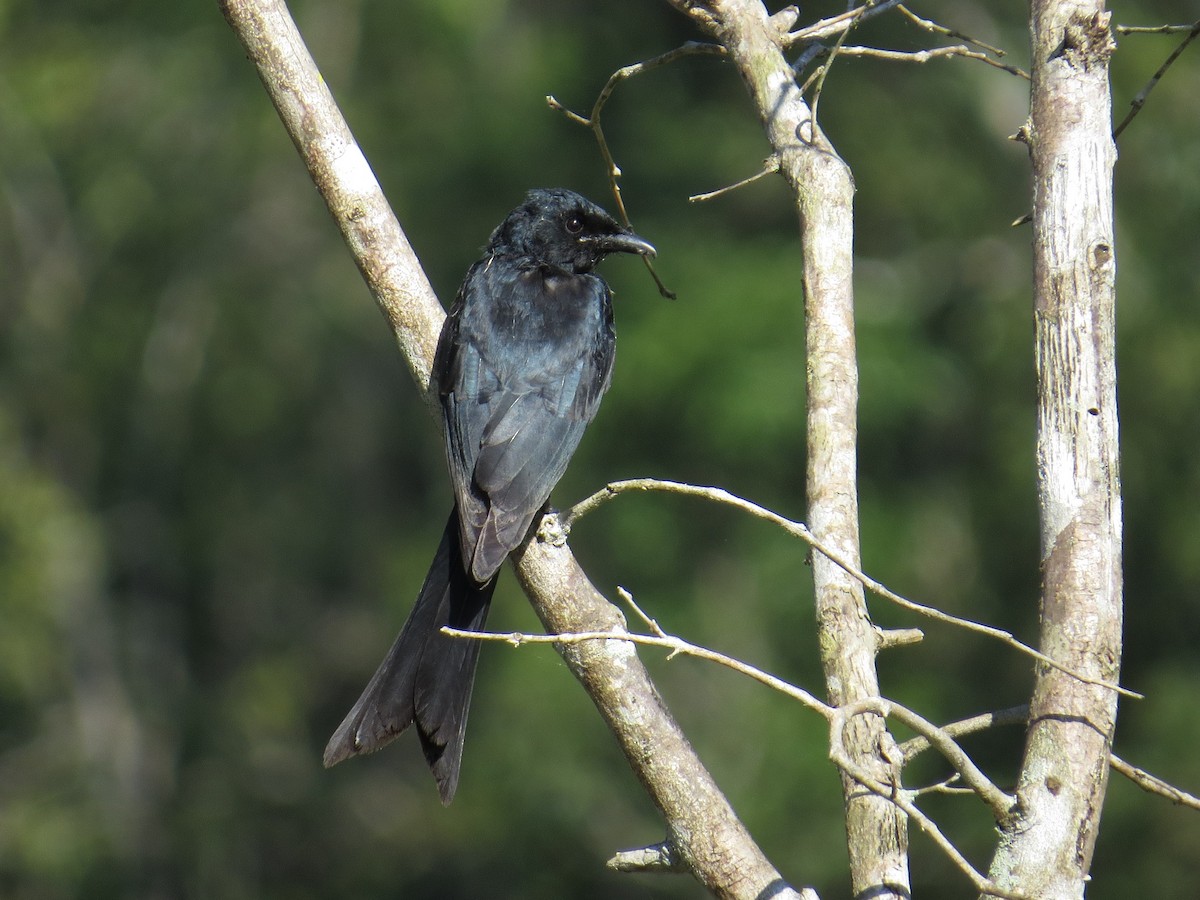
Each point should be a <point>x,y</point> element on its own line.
<point>523,360</point>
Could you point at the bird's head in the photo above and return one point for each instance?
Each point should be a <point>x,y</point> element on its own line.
<point>561,230</point>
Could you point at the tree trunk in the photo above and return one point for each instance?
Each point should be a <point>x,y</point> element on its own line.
<point>821,182</point>
<point>1046,850</point>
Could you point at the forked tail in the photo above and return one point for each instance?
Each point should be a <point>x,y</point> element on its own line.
<point>426,677</point>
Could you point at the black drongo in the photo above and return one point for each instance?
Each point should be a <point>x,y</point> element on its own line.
<point>523,360</point>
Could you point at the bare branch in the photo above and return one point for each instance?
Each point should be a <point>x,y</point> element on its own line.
<point>676,645</point>
<point>924,56</point>
<point>838,24</point>
<point>946,786</point>
<point>1015,715</point>
<point>1139,99</point>
<point>1047,850</point>
<point>998,801</point>
<point>592,122</point>
<point>903,799</point>
<point>887,638</point>
<point>848,20</point>
<point>661,857</point>
<point>770,167</point>
<point>1153,784</point>
<point>798,529</point>
<point>817,80</point>
<point>822,189</point>
<point>934,28</point>
<point>1154,29</point>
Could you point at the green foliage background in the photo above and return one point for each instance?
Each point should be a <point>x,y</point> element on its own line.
<point>219,492</point>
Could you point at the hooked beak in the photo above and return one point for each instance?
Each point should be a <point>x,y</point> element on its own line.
<point>624,242</point>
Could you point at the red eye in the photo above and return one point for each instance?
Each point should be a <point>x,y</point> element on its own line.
<point>574,224</point>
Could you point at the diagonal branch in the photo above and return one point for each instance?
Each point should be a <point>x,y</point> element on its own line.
<point>934,28</point>
<point>1153,784</point>
<point>800,530</point>
<point>902,799</point>
<point>1139,100</point>
<point>1000,803</point>
<point>1014,715</point>
<point>710,838</point>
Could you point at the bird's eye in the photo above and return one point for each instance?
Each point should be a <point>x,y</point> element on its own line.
<point>574,224</point>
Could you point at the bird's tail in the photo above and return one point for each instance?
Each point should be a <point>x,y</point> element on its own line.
<point>426,677</point>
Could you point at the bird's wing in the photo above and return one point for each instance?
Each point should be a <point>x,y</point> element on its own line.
<point>515,416</point>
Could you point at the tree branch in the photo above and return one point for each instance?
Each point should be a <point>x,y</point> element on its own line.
<point>902,799</point>
<point>343,178</point>
<point>800,530</point>
<point>924,56</point>
<point>1000,803</point>
<point>823,189</point>
<point>1153,784</point>
<point>934,28</point>
<point>660,639</point>
<point>1014,715</point>
<point>706,831</point>
<point>1139,100</point>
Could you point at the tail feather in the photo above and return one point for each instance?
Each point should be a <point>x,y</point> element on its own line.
<point>426,676</point>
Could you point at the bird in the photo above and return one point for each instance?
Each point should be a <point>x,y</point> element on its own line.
<point>524,357</point>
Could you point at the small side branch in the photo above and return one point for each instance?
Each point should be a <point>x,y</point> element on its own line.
<point>904,800</point>
<point>664,641</point>
<point>800,530</point>
<point>839,24</point>
<point>1139,99</point>
<point>1000,803</point>
<point>1015,715</point>
<point>770,167</point>
<point>1153,784</point>
<point>592,122</point>
<point>1154,29</point>
<point>924,56</point>
<point>934,28</point>
<point>661,857</point>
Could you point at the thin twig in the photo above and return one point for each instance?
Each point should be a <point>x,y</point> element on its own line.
<point>1000,803</point>
<point>1153,29</point>
<point>1139,99</point>
<point>800,530</point>
<point>822,71</point>
<point>592,122</point>
<point>946,786</point>
<point>1154,784</point>
<point>924,56</point>
<point>1015,715</point>
<point>935,28</point>
<point>667,642</point>
<point>838,24</point>
<point>770,167</point>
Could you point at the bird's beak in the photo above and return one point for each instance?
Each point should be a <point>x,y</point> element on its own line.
<point>624,242</point>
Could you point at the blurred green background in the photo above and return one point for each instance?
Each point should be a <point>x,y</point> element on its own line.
<point>219,491</point>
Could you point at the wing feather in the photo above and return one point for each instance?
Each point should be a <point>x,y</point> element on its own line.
<point>523,374</point>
